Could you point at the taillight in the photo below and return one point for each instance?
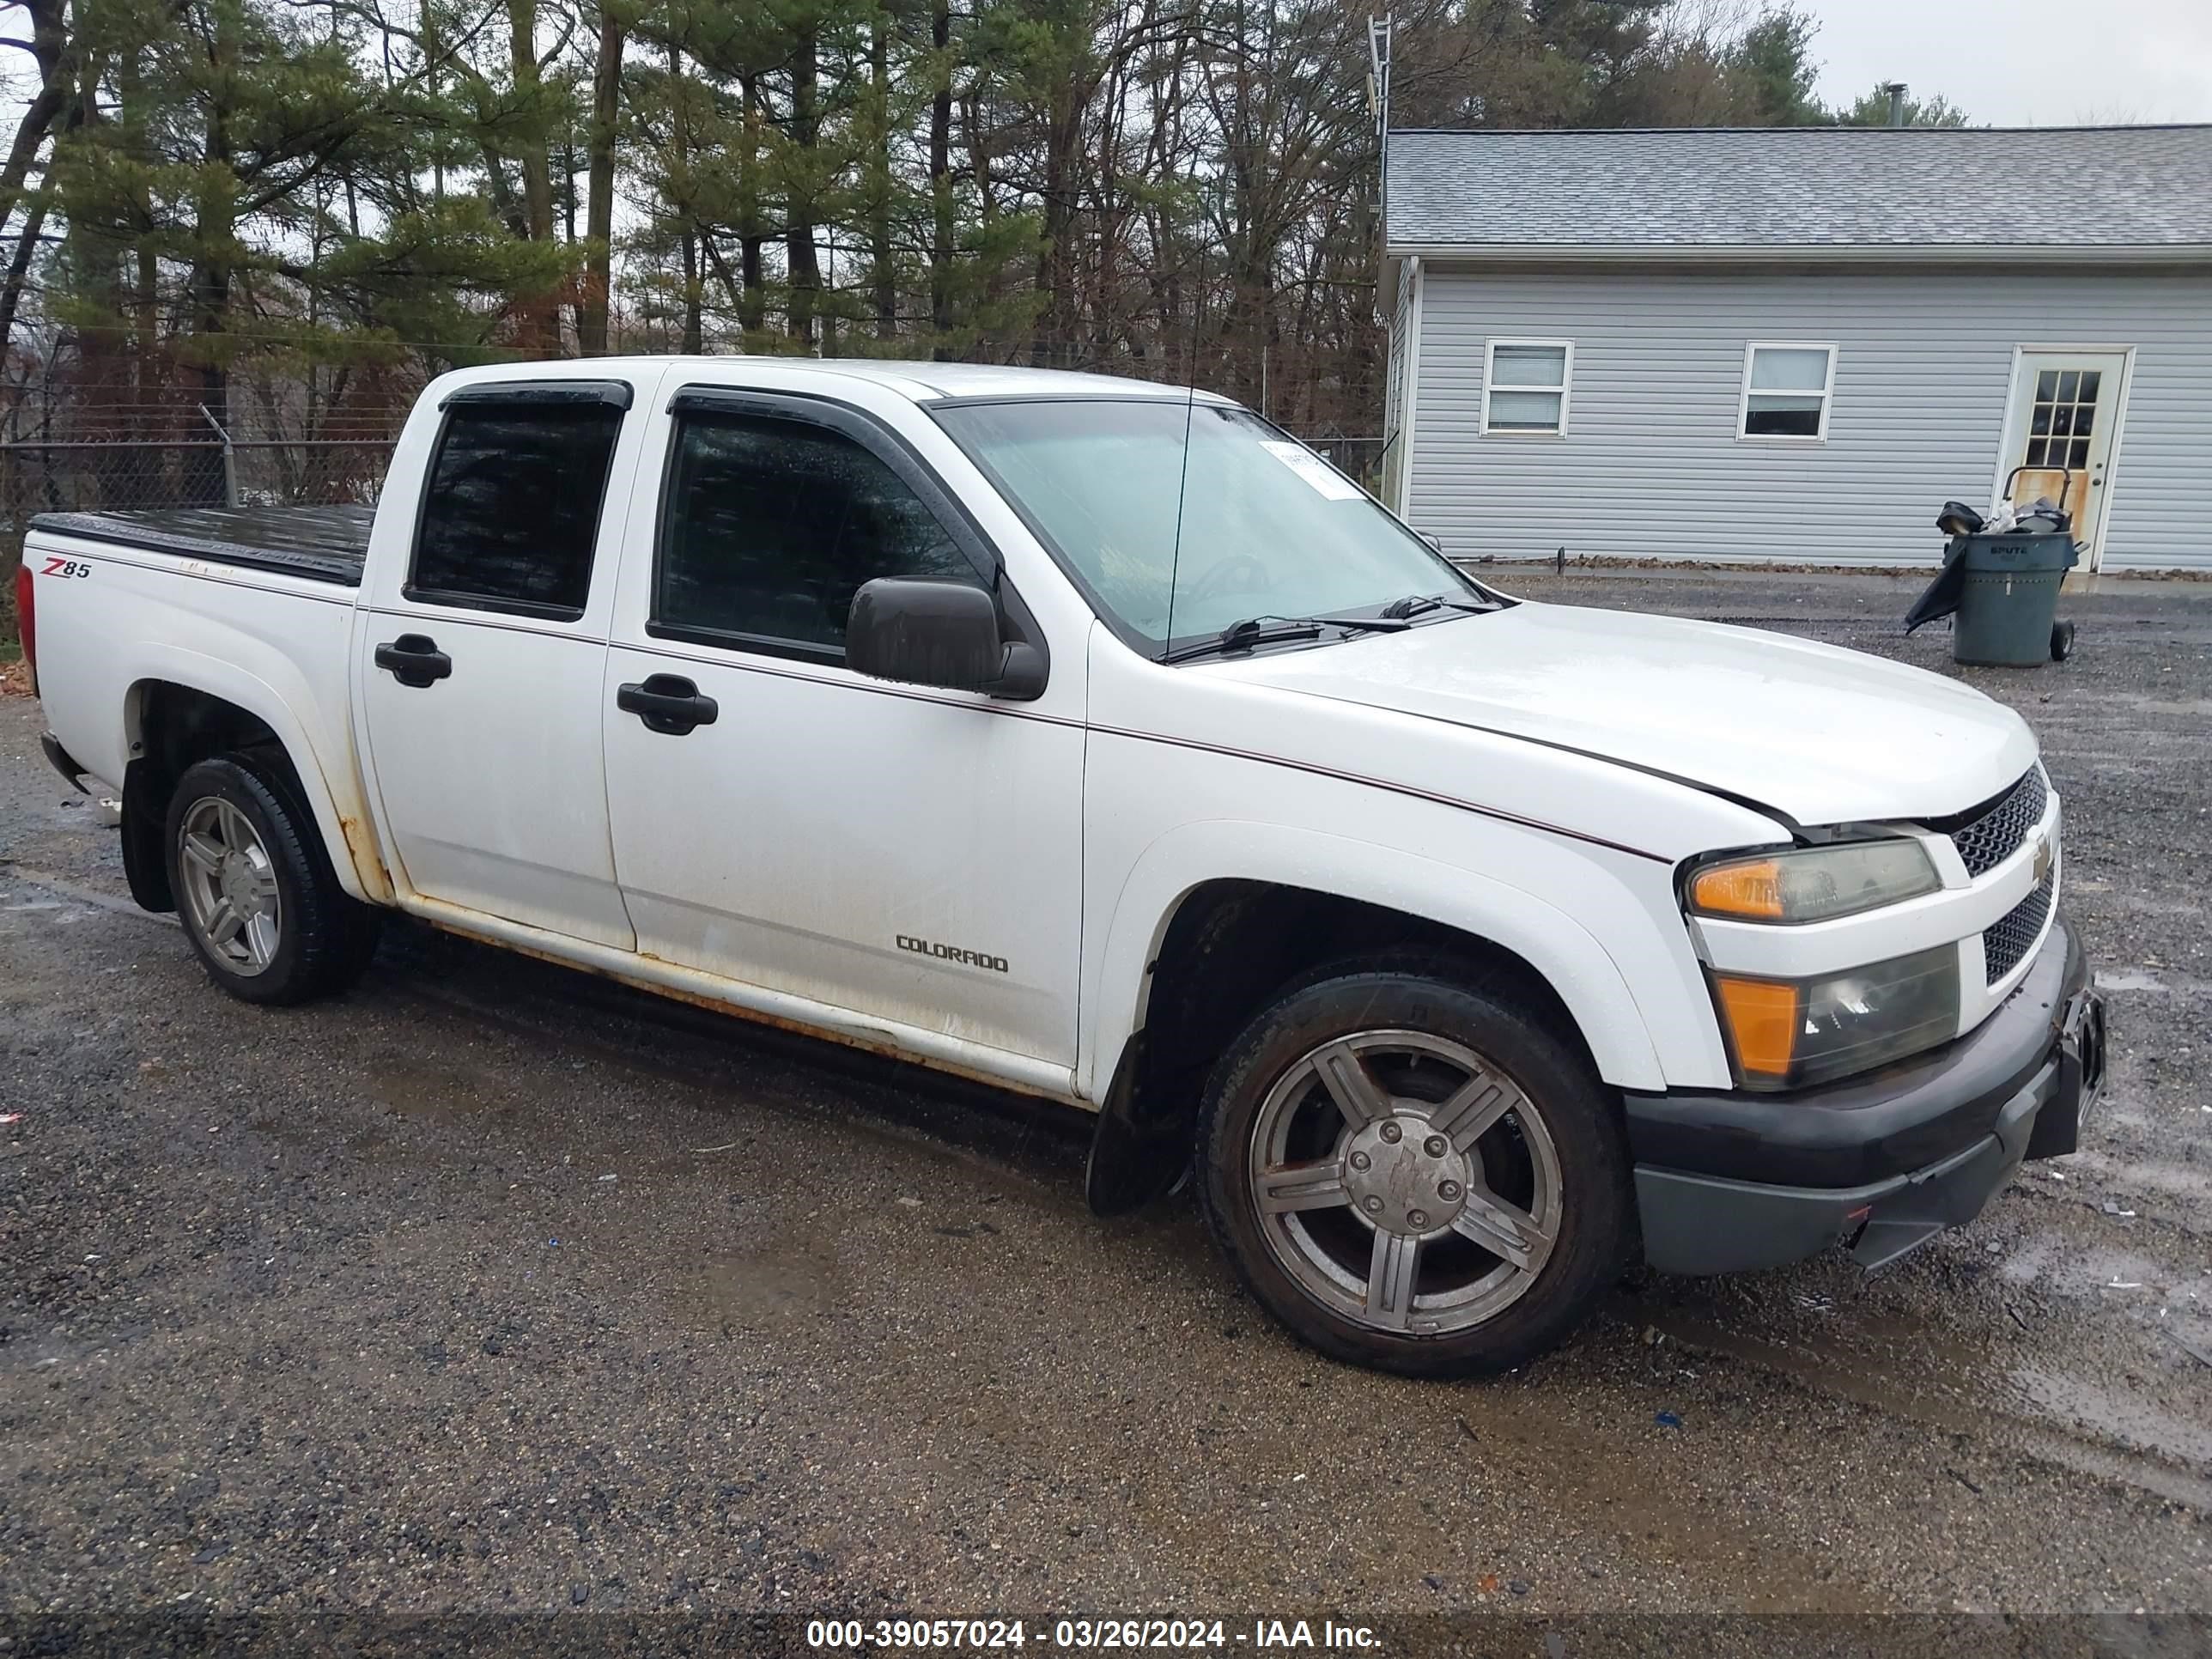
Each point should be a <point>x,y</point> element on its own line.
<point>24,623</point>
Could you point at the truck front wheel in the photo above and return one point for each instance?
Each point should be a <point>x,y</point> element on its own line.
<point>1415,1173</point>
<point>255,889</point>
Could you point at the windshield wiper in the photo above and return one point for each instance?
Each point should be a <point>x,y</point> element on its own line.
<point>1243,634</point>
<point>1420,604</point>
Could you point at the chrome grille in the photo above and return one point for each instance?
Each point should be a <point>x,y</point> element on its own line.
<point>2011,935</point>
<point>1993,834</point>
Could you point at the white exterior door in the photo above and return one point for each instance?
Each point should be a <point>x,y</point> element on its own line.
<point>2063,427</point>
<point>481,670</point>
<point>898,853</point>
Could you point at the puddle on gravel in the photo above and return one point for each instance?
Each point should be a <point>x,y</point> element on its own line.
<point>752,1287</point>
<point>2067,1266</point>
<point>2129,1176</point>
<point>2059,1345</point>
<point>444,1093</point>
<point>2089,1423</point>
<point>2129,979</point>
<point>2143,980</point>
<point>2163,705</point>
<point>2122,1417</point>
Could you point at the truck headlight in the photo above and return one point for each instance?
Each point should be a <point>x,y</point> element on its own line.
<point>1812,884</point>
<point>1790,1033</point>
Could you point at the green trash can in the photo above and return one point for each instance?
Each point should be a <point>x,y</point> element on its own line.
<point>2008,597</point>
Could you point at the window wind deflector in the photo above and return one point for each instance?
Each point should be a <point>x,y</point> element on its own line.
<point>606,394</point>
<point>747,400</point>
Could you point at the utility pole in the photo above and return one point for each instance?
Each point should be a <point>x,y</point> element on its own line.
<point>1378,100</point>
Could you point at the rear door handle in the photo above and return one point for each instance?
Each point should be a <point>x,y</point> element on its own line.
<point>414,659</point>
<point>667,703</point>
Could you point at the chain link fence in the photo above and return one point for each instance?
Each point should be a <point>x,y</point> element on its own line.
<point>94,474</point>
<point>59,453</point>
<point>63,451</point>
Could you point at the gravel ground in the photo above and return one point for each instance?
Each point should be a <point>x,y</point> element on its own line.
<point>492,1289</point>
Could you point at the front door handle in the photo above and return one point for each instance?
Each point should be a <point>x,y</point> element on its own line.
<point>414,659</point>
<point>667,703</point>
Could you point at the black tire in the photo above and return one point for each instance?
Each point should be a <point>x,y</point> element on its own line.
<point>1590,1210</point>
<point>2061,640</point>
<point>323,937</point>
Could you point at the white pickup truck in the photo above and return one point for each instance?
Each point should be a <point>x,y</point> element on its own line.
<point>1097,741</point>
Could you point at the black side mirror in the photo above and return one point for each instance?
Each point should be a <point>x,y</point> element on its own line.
<point>938,633</point>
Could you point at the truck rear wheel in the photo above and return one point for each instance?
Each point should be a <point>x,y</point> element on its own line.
<point>255,889</point>
<point>1413,1174</point>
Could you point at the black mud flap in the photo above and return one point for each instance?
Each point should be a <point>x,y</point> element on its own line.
<point>145,860</point>
<point>1134,1159</point>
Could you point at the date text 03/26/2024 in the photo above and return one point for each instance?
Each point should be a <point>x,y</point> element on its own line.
<point>857,1634</point>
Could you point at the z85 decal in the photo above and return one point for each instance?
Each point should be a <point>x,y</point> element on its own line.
<point>67,568</point>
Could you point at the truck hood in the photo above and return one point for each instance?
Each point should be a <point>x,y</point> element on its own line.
<point>1818,733</point>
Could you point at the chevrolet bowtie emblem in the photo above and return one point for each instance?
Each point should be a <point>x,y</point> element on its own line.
<point>2042,860</point>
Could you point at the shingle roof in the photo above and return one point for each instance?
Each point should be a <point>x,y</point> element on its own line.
<point>1879,188</point>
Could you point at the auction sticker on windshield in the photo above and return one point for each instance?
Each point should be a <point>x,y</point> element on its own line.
<point>1314,470</point>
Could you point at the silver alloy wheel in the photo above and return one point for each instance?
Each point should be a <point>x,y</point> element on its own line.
<point>229,883</point>
<point>1405,1182</point>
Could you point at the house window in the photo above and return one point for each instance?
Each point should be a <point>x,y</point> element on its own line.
<point>1785,391</point>
<point>1524,386</point>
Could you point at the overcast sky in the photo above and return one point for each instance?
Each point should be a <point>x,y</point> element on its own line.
<point>2026,62</point>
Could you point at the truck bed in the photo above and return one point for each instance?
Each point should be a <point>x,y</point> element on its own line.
<point>321,543</point>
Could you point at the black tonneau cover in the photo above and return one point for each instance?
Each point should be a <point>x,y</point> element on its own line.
<point>322,543</point>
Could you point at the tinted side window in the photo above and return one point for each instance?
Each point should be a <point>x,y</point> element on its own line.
<point>772,526</point>
<point>512,509</point>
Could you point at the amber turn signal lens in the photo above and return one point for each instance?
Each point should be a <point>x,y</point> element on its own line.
<point>1812,884</point>
<point>1751,890</point>
<point>1762,1019</point>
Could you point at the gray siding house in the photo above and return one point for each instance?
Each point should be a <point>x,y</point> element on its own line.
<point>1797,343</point>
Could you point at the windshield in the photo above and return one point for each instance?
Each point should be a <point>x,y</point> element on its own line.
<point>1267,528</point>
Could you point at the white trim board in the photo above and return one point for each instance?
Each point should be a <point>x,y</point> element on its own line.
<point>2180,255</point>
<point>1410,388</point>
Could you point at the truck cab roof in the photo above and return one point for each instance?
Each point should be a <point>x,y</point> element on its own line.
<point>921,381</point>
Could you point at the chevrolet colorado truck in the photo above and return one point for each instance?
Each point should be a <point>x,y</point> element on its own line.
<point>1098,741</point>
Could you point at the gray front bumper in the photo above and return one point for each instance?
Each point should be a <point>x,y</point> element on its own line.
<point>1704,1224</point>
